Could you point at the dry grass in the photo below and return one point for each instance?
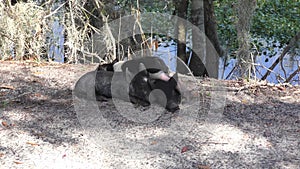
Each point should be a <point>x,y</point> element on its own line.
<point>26,30</point>
<point>22,30</point>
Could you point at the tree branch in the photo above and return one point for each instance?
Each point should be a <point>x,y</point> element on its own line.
<point>292,42</point>
<point>292,75</point>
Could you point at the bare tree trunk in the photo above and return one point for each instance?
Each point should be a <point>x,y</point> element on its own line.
<point>198,60</point>
<point>211,26</point>
<point>245,9</point>
<point>180,31</point>
<point>206,46</point>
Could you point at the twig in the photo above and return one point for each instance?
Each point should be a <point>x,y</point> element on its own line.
<point>113,40</point>
<point>7,87</point>
<point>211,142</point>
<point>119,39</point>
<point>277,74</point>
<point>231,72</point>
<point>282,68</point>
<point>55,11</point>
<point>14,98</point>
<point>3,34</point>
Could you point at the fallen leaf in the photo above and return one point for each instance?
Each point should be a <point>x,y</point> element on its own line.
<point>153,142</point>
<point>3,93</point>
<point>1,155</point>
<point>32,143</point>
<point>18,162</point>
<point>280,88</point>
<point>184,149</point>
<point>203,167</point>
<point>38,73</point>
<point>244,101</point>
<point>37,94</point>
<point>4,123</point>
<point>7,87</point>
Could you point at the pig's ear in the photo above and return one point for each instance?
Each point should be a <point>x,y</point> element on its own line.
<point>118,66</point>
<point>175,76</point>
<point>160,75</point>
<point>142,67</point>
<point>128,75</point>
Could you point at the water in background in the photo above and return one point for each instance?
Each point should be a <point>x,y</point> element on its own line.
<point>167,52</point>
<point>56,50</point>
<point>264,61</point>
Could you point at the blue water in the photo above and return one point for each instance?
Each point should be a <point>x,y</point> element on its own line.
<point>56,50</point>
<point>167,52</point>
<point>263,62</point>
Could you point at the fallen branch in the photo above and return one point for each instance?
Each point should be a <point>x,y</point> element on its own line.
<point>292,42</point>
<point>292,75</point>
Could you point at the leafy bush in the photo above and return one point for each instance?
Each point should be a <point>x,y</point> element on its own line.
<point>276,20</point>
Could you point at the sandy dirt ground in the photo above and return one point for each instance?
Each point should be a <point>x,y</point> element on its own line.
<point>225,124</point>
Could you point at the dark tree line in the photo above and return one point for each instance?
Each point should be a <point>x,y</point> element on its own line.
<point>201,15</point>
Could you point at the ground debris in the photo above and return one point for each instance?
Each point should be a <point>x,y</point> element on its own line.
<point>234,124</point>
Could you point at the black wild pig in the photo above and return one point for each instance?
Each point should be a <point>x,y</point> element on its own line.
<point>168,97</point>
<point>152,64</point>
<point>84,87</point>
<point>98,84</point>
<point>138,88</point>
<point>116,85</point>
<point>157,69</point>
<point>169,88</point>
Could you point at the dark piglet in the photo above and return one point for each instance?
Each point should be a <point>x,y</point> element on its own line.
<point>156,71</point>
